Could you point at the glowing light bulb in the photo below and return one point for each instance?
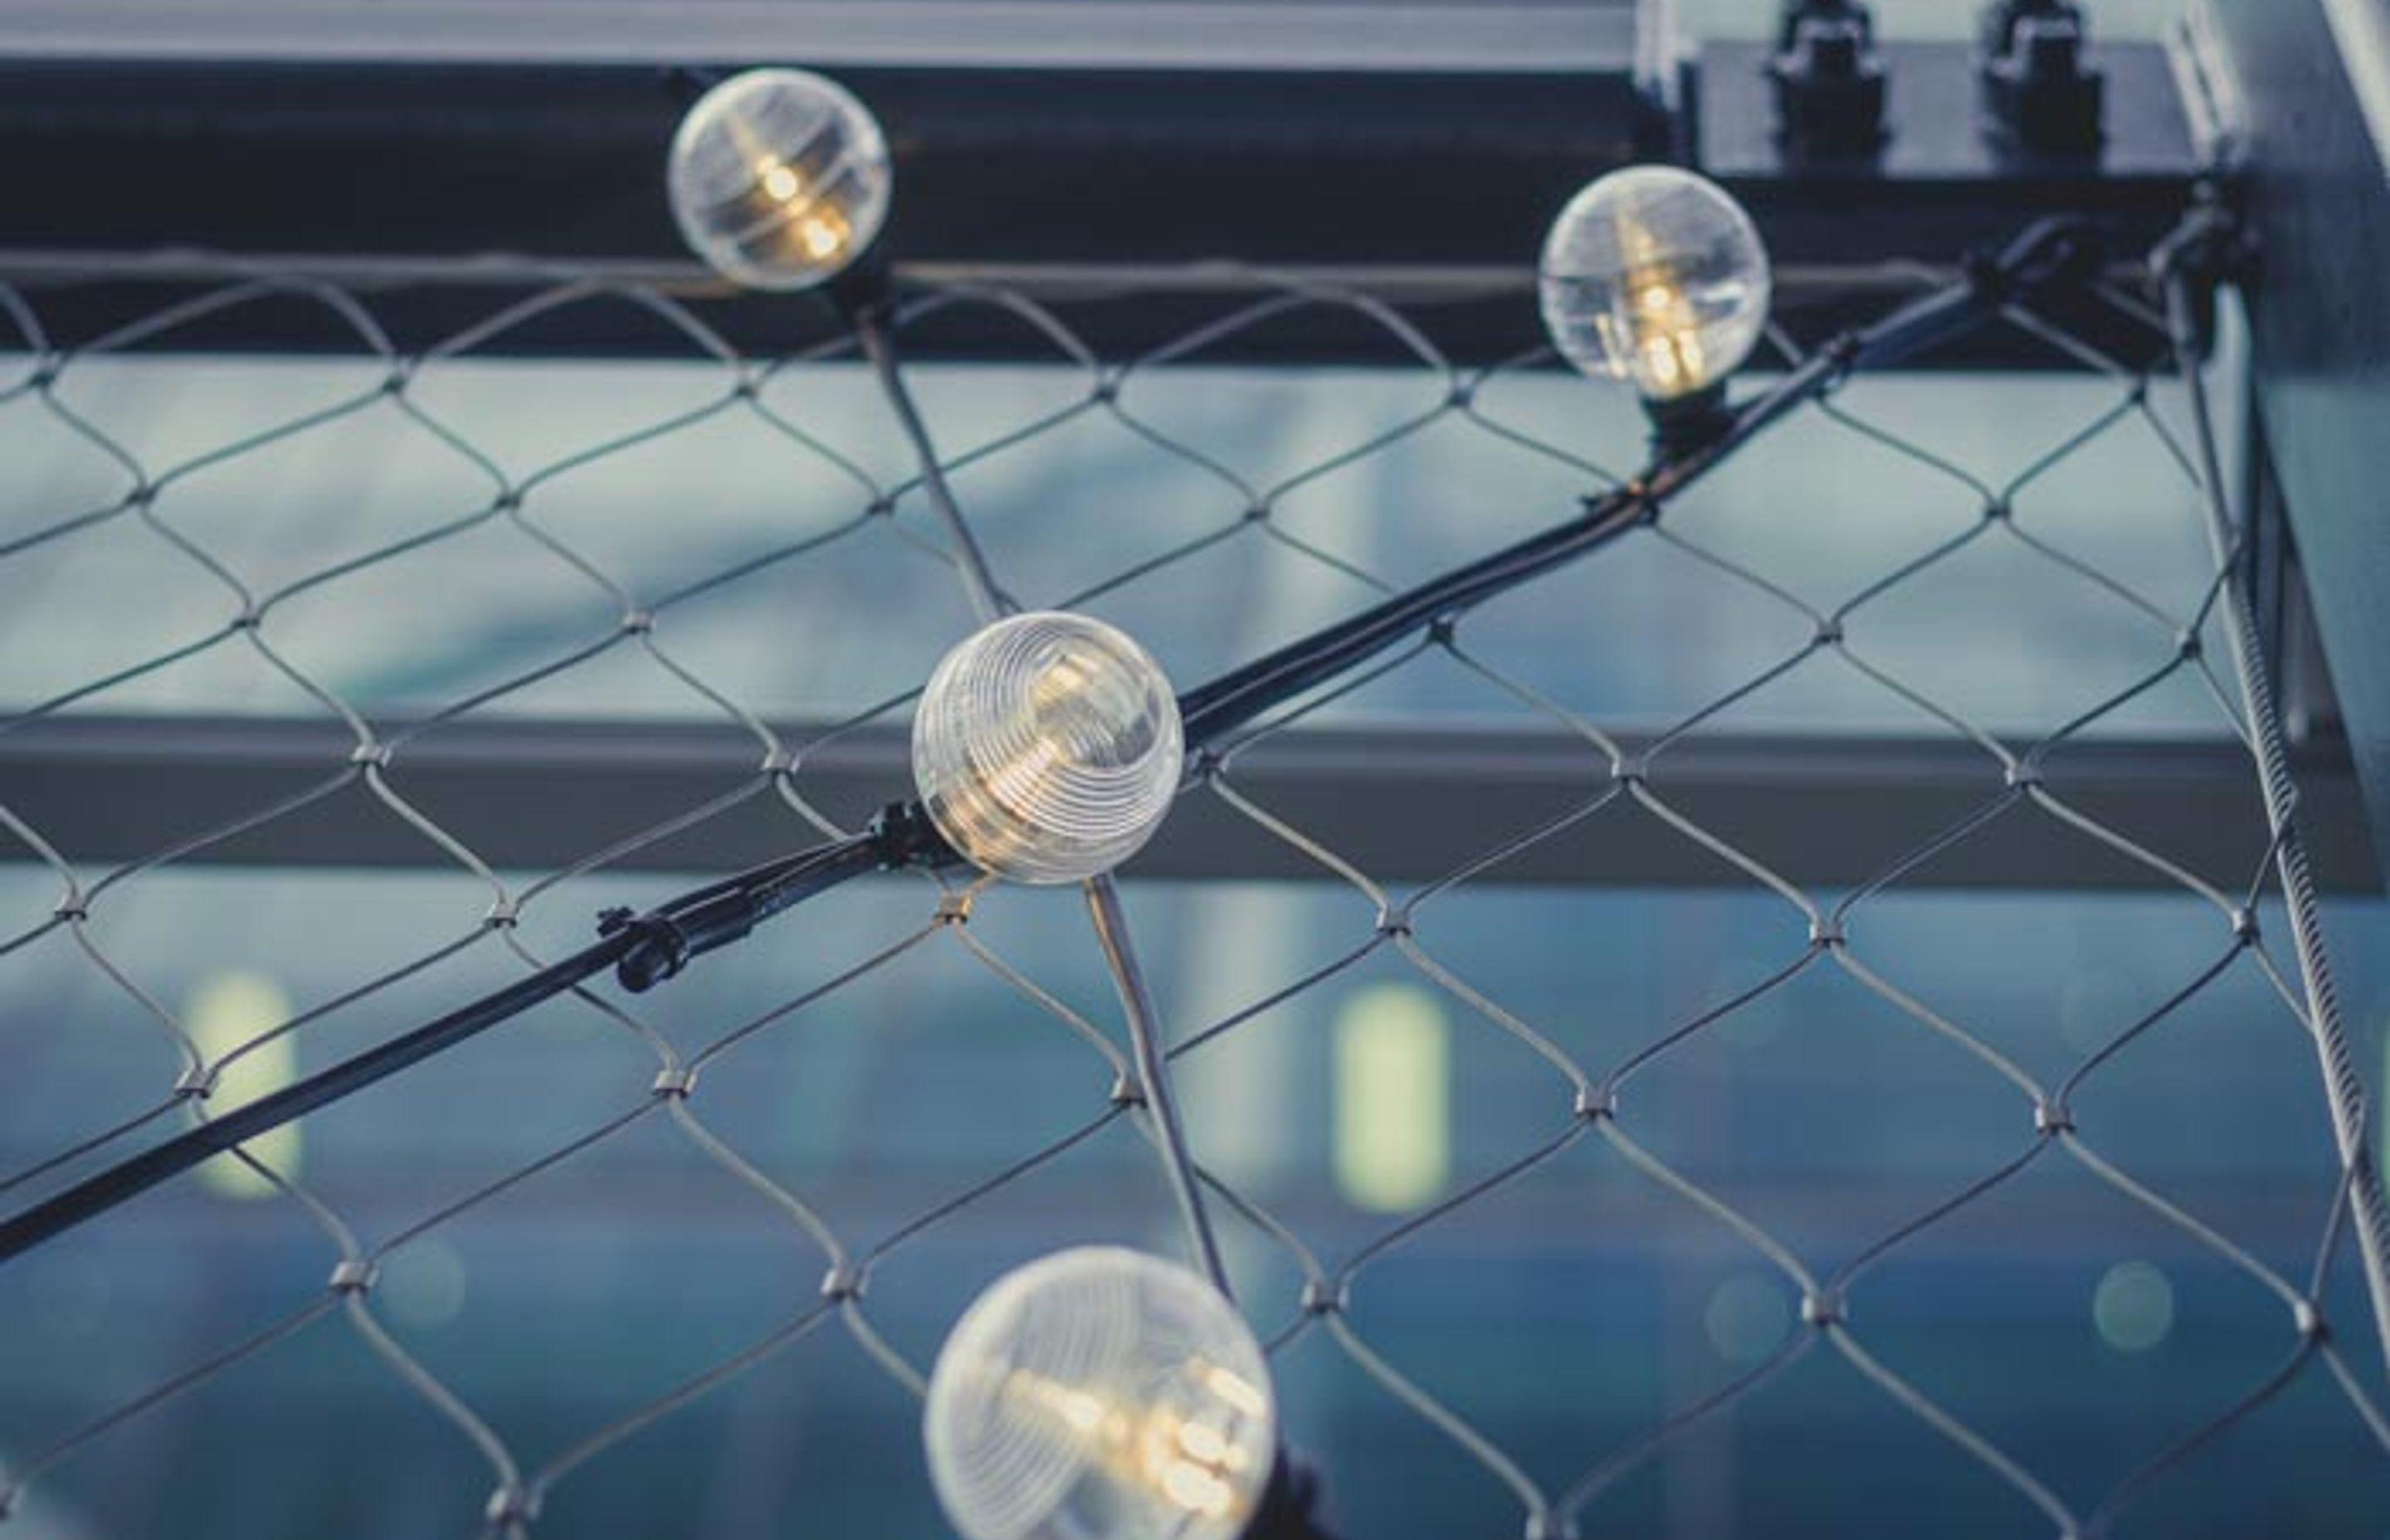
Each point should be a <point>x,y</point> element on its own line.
<point>779,178</point>
<point>1047,748</point>
<point>1655,276</point>
<point>1101,1393</point>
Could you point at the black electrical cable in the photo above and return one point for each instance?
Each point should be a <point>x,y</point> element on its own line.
<point>646,949</point>
<point>643,950</point>
<point>129,1178</point>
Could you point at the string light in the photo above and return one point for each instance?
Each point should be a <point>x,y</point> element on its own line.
<point>1047,748</point>
<point>1101,1393</point>
<point>779,179</point>
<point>1655,276</point>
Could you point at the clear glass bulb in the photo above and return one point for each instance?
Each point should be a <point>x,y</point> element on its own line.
<point>1101,1393</point>
<point>1047,748</point>
<point>1655,276</point>
<point>779,179</point>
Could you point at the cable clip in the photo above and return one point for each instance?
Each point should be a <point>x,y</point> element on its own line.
<point>903,836</point>
<point>662,948</point>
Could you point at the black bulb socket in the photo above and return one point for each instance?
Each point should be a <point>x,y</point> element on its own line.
<point>1682,424</point>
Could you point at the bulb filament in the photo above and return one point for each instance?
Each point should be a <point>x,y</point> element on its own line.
<point>1191,1462</point>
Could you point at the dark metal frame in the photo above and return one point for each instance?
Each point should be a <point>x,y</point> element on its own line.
<point>542,796</point>
<point>1153,135</point>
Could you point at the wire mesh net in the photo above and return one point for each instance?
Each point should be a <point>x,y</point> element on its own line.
<point>785,1141</point>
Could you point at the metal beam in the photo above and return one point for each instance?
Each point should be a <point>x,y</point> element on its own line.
<point>1046,35</point>
<point>1405,805</point>
<point>1150,135</point>
<point>1477,315</point>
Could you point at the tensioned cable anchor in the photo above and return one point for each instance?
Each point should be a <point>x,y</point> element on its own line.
<point>646,949</point>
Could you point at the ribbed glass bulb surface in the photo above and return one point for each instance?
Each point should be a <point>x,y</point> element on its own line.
<point>1047,748</point>
<point>1101,1393</point>
<point>1655,276</point>
<point>779,179</point>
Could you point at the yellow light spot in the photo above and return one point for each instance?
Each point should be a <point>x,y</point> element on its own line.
<point>779,180</point>
<point>1659,362</point>
<point>223,1013</point>
<point>1063,680</point>
<point>1196,1489</point>
<point>1080,1410</point>
<point>1202,1441</point>
<point>1233,1388</point>
<point>1393,1097</point>
<point>819,239</point>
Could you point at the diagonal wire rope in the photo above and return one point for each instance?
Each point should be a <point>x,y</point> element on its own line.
<point>2344,1090</point>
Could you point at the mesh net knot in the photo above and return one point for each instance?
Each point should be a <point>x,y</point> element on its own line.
<point>511,1508</point>
<point>354,1276</point>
